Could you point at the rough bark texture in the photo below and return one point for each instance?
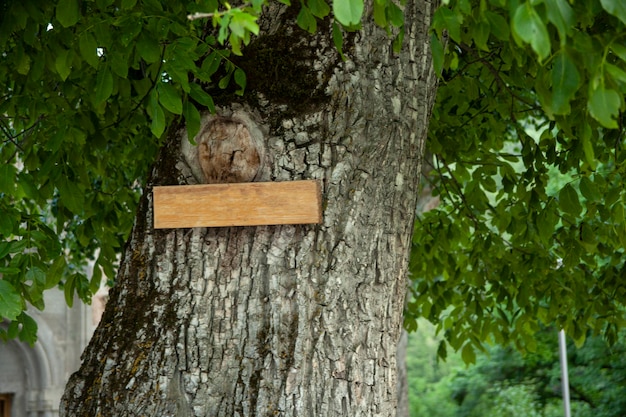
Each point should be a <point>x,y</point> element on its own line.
<point>403,377</point>
<point>280,320</point>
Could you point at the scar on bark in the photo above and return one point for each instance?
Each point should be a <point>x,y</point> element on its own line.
<point>228,152</point>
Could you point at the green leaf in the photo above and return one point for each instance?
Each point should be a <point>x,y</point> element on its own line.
<point>395,14</point>
<point>7,179</point>
<point>55,272</point>
<point>529,27</point>
<point>6,225</point>
<point>13,329</point>
<point>619,50</point>
<point>615,7</point>
<point>468,354</point>
<point>28,332</point>
<point>5,247</point>
<point>225,80</point>
<point>104,85</point>
<point>119,64</point>
<point>589,190</point>
<point>170,98</point>
<point>128,4</point>
<point>37,276</point>
<point>68,290</point>
<point>148,48</point>
<point>618,74</point>
<point>201,96</point>
<point>562,16</point>
<point>588,147</point>
<point>319,8</point>
<point>192,119</point>
<point>23,64</point>
<point>306,20</point>
<point>240,80</point>
<point>397,42</point>
<point>568,201</point>
<point>604,106</point>
<point>348,12</point>
<point>242,22</point>
<point>96,279</point>
<point>89,48</point>
<point>157,127</point>
<point>499,26</point>
<point>67,12</point>
<point>480,33</point>
<point>10,301</point>
<point>62,64</point>
<point>546,223</point>
<point>565,83</point>
<point>338,39</point>
<point>210,65</point>
<point>451,21</point>
<point>71,195</point>
<point>436,49</point>
<point>223,25</point>
<point>380,13</point>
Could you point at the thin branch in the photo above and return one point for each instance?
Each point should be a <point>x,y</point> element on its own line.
<point>459,190</point>
<point>198,15</point>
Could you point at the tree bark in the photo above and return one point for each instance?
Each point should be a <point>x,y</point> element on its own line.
<point>403,406</point>
<point>298,320</point>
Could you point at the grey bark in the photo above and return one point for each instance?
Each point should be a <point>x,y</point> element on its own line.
<point>299,320</point>
<point>403,377</point>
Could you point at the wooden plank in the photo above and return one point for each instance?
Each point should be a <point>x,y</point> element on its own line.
<point>242,204</point>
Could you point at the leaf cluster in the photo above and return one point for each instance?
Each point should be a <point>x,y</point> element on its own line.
<point>527,141</point>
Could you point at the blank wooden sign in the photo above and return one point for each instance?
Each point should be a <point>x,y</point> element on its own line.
<point>243,204</point>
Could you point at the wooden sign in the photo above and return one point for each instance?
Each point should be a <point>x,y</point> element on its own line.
<point>241,204</point>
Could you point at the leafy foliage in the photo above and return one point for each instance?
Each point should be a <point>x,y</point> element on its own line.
<point>505,383</point>
<point>527,141</point>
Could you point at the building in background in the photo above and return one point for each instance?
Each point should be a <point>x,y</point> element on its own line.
<point>32,379</point>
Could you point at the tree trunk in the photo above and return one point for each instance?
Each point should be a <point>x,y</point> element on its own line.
<point>297,320</point>
<point>403,407</point>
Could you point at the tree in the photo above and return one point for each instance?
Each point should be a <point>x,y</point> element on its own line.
<point>303,319</point>
<point>276,320</point>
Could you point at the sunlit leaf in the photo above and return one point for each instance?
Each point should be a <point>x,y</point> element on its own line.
<point>67,12</point>
<point>348,12</point>
<point>604,106</point>
<point>62,63</point>
<point>529,27</point>
<point>10,301</point>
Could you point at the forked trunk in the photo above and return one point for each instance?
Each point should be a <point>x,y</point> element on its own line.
<point>296,320</point>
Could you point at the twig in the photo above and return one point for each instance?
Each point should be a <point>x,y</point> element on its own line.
<point>198,15</point>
